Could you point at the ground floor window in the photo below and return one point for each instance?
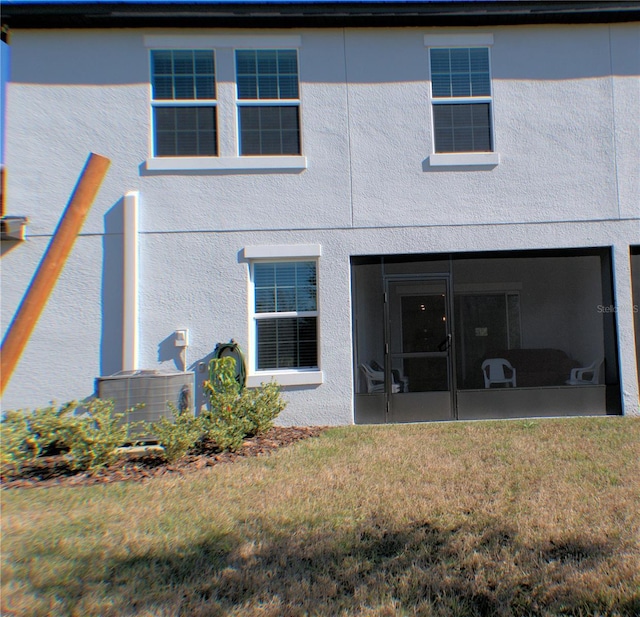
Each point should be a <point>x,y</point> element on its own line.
<point>285,315</point>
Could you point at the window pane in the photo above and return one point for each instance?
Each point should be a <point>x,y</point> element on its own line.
<point>286,299</point>
<point>306,300</point>
<point>440,85</point>
<point>480,84</point>
<point>183,62</point>
<point>185,131</point>
<point>246,62</point>
<point>292,283</point>
<point>165,143</point>
<point>463,139</point>
<point>440,61</point>
<point>251,143</point>
<point>462,127</point>
<point>265,300</point>
<point>162,87</point>
<point>288,61</point>
<point>247,87</point>
<point>269,118</point>
<point>286,274</point>
<point>161,63</point>
<point>264,275</point>
<point>460,72</point>
<point>288,87</point>
<point>287,343</point>
<point>460,85</point>
<point>186,143</point>
<point>204,62</point>
<point>306,273</point>
<point>184,87</point>
<point>267,61</point>
<point>269,130</point>
<point>479,59</point>
<point>183,74</point>
<point>267,87</point>
<point>186,118</point>
<point>481,139</point>
<point>165,119</point>
<point>205,88</point>
<point>460,61</point>
<point>206,119</point>
<point>267,74</point>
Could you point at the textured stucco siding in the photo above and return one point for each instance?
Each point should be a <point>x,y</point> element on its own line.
<point>565,109</point>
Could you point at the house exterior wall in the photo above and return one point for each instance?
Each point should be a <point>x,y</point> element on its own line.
<point>565,110</point>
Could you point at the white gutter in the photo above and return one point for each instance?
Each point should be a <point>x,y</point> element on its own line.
<point>130,286</point>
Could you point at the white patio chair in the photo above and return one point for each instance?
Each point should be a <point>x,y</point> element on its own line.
<point>493,371</point>
<point>375,380</point>
<point>586,375</point>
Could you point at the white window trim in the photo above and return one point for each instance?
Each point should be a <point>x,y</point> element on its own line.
<point>221,41</point>
<point>224,164</point>
<point>279,253</point>
<point>462,159</point>
<point>458,40</point>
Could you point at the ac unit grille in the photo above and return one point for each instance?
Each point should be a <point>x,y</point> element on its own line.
<point>152,389</point>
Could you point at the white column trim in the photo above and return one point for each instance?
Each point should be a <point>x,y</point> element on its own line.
<point>130,287</point>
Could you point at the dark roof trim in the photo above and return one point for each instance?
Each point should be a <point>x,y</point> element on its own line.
<point>313,14</point>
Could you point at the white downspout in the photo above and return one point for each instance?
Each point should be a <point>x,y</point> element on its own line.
<point>130,291</point>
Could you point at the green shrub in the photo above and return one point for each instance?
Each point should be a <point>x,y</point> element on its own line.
<point>263,405</point>
<point>235,412</point>
<point>46,428</point>
<point>27,435</point>
<point>14,432</point>
<point>176,436</point>
<point>93,436</point>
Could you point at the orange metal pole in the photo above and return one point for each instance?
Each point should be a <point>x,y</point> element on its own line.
<point>51,265</point>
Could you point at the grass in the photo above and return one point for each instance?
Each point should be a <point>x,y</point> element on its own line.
<point>463,519</point>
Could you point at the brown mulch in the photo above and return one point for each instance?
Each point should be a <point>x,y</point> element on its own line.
<point>139,466</point>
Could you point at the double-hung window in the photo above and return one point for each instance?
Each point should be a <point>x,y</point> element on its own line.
<point>285,315</point>
<point>228,103</point>
<point>184,103</point>
<point>268,102</point>
<point>461,99</point>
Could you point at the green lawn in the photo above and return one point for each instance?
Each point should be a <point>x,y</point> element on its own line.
<point>538,517</point>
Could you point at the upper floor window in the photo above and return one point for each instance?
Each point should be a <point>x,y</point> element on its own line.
<point>461,99</point>
<point>184,103</point>
<point>268,102</point>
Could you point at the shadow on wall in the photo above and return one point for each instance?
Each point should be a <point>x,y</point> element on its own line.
<point>168,352</point>
<point>112,290</point>
<point>200,369</point>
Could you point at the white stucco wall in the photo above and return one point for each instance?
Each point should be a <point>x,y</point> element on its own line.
<point>565,107</point>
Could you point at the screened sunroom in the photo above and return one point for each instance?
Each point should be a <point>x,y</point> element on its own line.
<point>483,335</point>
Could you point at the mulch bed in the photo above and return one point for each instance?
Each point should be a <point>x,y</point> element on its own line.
<point>136,466</point>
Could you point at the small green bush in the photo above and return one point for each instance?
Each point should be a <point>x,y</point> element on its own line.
<point>93,436</point>
<point>14,432</point>
<point>262,406</point>
<point>46,428</point>
<point>235,412</point>
<point>89,438</point>
<point>177,437</point>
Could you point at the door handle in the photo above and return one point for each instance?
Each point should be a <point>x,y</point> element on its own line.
<point>446,343</point>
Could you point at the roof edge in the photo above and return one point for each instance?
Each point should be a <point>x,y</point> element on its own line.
<point>288,14</point>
